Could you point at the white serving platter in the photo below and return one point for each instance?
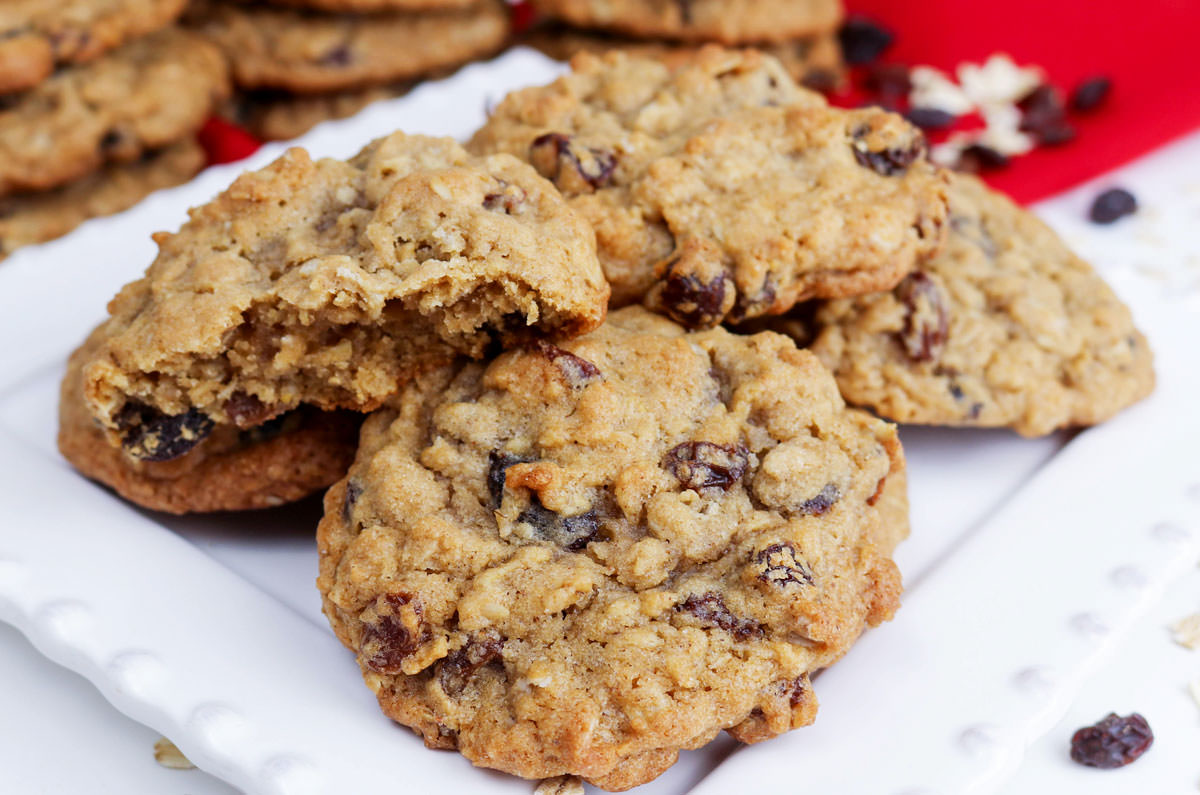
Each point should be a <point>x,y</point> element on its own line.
<point>1032,562</point>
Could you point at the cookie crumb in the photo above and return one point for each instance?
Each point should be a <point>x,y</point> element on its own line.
<point>560,785</point>
<point>167,755</point>
<point>1187,631</point>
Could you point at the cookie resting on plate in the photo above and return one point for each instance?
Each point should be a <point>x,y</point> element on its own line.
<point>583,558</point>
<point>331,283</point>
<point>721,189</point>
<point>1005,328</point>
<point>724,21</point>
<point>294,455</point>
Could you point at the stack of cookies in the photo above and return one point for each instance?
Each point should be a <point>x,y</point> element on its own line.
<point>99,106</point>
<point>801,35</point>
<point>597,511</point>
<point>299,62</point>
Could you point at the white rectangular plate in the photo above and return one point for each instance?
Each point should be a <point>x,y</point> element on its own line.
<point>1030,560</point>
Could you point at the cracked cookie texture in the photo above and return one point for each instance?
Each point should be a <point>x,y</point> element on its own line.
<point>721,189</point>
<point>304,52</point>
<point>1006,327</point>
<point>724,21</point>
<point>38,35</point>
<point>581,558</point>
<point>296,454</point>
<point>330,283</point>
<point>145,96</point>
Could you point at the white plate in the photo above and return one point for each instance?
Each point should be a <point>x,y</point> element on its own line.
<point>1029,563</point>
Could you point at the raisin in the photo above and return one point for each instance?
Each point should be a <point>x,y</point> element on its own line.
<point>926,326</point>
<point>887,162</point>
<point>586,169</point>
<point>750,305</point>
<point>863,41</point>
<point>459,666</point>
<point>150,435</point>
<point>354,490</point>
<point>1113,742</point>
<point>246,411</point>
<point>685,11</point>
<point>498,464</point>
<point>709,608</point>
<point>336,56</point>
<point>572,533</point>
<point>1044,117</point>
<point>821,80</point>
<point>577,371</point>
<point>1112,205</point>
<point>1090,94</point>
<point>781,567</point>
<point>508,199</point>
<point>398,630</point>
<point>978,157</point>
<point>930,118</point>
<point>692,302</point>
<point>820,503</point>
<point>702,465</point>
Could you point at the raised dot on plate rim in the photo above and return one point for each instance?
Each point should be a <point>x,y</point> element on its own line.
<point>1088,624</point>
<point>978,739</point>
<point>1170,532</point>
<point>1129,577</point>
<point>291,774</point>
<point>1036,679</point>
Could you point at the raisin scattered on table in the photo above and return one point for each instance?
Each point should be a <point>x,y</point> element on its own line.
<point>891,82</point>
<point>1112,205</point>
<point>1044,116</point>
<point>930,118</point>
<point>702,465</point>
<point>863,41</point>
<point>1113,742</point>
<point>1090,94</point>
<point>978,157</point>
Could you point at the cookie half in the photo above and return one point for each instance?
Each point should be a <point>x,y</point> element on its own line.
<point>723,190</point>
<point>304,52</point>
<point>331,283</point>
<point>1005,328</point>
<point>582,558</point>
<point>724,21</point>
<point>145,96</point>
<point>297,454</point>
<point>26,219</point>
<point>38,35</point>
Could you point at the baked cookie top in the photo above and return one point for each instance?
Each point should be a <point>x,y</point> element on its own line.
<point>722,189</point>
<point>144,96</point>
<point>37,35</point>
<point>305,52</point>
<point>330,283</point>
<point>31,218</point>
<point>376,6</point>
<point>724,21</point>
<point>582,558</point>
<point>280,116</point>
<point>1005,327</point>
<point>230,469</point>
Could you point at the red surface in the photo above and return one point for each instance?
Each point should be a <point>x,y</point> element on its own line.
<point>1150,49</point>
<point>225,142</point>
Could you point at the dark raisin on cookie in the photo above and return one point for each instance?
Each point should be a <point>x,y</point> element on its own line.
<point>498,464</point>
<point>246,411</point>
<point>398,629</point>
<point>886,162</point>
<point>354,490</point>
<point>150,435</point>
<point>1112,205</point>
<point>339,55</point>
<point>573,168</point>
<point>1112,742</point>
<point>863,41</point>
<point>577,371</point>
<point>820,504</point>
<point>781,566</point>
<point>572,533</point>
<point>685,11</point>
<point>748,305</point>
<point>456,670</point>
<point>709,608</point>
<point>702,465</point>
<point>692,302</point>
<point>508,198</point>
<point>926,322</point>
